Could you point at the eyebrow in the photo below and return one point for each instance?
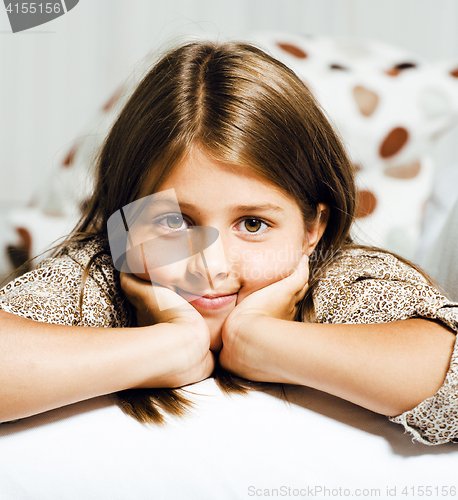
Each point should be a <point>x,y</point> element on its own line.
<point>265,207</point>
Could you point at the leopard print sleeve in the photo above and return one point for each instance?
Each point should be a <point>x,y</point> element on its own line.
<point>51,293</point>
<point>373,287</point>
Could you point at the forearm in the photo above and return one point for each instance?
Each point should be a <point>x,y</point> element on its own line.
<point>388,368</point>
<point>45,366</point>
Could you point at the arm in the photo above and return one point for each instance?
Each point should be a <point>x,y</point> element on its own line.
<point>388,367</point>
<point>365,351</point>
<point>45,366</point>
<point>45,362</point>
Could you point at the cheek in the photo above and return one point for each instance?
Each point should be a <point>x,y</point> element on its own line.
<point>159,276</point>
<point>164,275</point>
<point>259,268</point>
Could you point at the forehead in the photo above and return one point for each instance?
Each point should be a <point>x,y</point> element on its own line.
<point>200,180</point>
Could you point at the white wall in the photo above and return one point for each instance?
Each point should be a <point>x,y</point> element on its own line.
<point>54,77</point>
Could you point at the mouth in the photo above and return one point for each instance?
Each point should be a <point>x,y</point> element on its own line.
<point>209,301</point>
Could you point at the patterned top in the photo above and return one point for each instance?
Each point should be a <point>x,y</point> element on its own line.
<point>362,286</point>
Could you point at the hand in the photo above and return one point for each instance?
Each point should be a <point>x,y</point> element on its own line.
<point>277,300</point>
<point>185,351</point>
<point>146,298</point>
<point>248,352</point>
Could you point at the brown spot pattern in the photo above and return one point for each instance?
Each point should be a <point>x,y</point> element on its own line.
<point>399,68</point>
<point>70,158</point>
<point>394,142</point>
<point>112,101</point>
<point>50,293</point>
<point>294,50</point>
<point>338,67</point>
<point>366,204</point>
<point>21,253</point>
<point>26,239</point>
<point>408,171</point>
<point>375,287</point>
<point>454,73</point>
<point>366,100</point>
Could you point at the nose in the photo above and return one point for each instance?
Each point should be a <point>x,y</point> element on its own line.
<point>210,265</point>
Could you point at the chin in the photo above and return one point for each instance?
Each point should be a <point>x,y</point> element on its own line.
<point>215,319</point>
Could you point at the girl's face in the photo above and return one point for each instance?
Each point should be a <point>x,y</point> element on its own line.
<point>261,236</point>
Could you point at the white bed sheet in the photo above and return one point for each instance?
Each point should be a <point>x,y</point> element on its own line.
<point>229,447</point>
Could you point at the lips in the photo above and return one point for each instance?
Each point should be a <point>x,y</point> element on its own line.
<point>215,302</point>
<point>209,301</point>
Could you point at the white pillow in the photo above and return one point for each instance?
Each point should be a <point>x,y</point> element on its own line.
<point>229,447</point>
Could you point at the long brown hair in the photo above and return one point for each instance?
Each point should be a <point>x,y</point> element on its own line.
<point>242,107</point>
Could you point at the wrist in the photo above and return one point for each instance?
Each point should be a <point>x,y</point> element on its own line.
<point>242,322</point>
<point>253,348</point>
<point>175,355</point>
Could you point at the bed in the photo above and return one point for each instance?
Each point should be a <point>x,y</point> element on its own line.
<point>228,447</point>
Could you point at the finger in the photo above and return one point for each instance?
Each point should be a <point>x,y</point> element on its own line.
<point>210,364</point>
<point>299,278</point>
<point>303,268</point>
<point>125,268</point>
<point>135,290</point>
<point>223,359</point>
<point>301,294</point>
<point>132,285</point>
<point>141,292</point>
<point>294,282</point>
<point>168,298</point>
<point>127,283</point>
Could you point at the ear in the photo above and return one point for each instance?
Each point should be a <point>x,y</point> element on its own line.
<point>315,231</point>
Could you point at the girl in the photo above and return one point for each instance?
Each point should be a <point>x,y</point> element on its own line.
<point>226,137</point>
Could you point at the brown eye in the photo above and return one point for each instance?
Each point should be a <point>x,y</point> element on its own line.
<point>253,225</point>
<point>174,221</point>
